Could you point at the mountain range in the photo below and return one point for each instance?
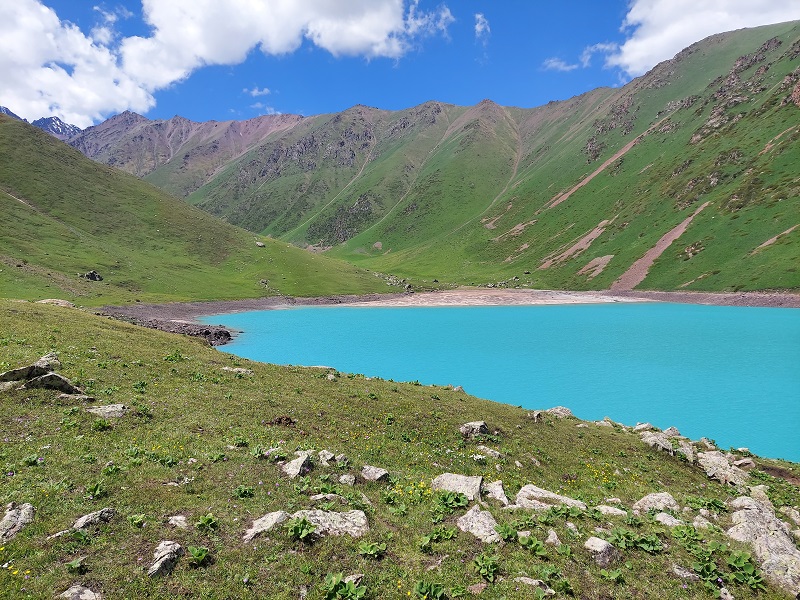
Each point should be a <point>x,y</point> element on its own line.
<point>685,178</point>
<point>52,125</point>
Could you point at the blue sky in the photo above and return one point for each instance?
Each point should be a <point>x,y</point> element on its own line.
<point>237,59</point>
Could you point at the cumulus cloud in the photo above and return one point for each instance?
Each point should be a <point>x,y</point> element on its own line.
<point>49,66</point>
<point>482,29</point>
<point>558,64</point>
<point>602,48</point>
<point>659,29</point>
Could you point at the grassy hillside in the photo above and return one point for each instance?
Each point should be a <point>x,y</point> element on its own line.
<point>65,215</point>
<point>190,445</point>
<point>566,195</point>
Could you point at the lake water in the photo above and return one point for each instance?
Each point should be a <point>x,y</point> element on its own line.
<point>728,373</point>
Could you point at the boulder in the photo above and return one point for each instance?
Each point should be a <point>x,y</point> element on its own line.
<point>659,501</point>
<point>53,381</point>
<point>536,498</point>
<point>602,551</point>
<point>685,573</point>
<point>325,456</point>
<point>78,592</point>
<point>672,432</point>
<point>687,450</point>
<point>46,364</point>
<point>560,412</point>
<point>108,411</point>
<point>371,473</point>
<point>164,558</point>
<point>353,523</point>
<point>658,441</point>
<point>259,244</point>
<point>295,467</point>
<point>347,479</point>
<point>745,464</point>
<point>717,467</point>
<point>496,492</point>
<point>643,427</point>
<point>15,519</point>
<point>479,523</point>
<point>462,484</point>
<point>700,522</point>
<point>265,524</point>
<point>474,428</point>
<point>755,524</point>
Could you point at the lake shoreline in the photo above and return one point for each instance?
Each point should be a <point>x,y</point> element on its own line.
<point>183,317</point>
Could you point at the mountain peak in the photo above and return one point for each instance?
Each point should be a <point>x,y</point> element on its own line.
<point>57,128</point>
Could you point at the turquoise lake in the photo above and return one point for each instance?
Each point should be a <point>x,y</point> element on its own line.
<point>728,373</point>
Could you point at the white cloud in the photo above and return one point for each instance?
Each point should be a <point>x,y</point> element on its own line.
<point>589,51</point>
<point>257,92</point>
<point>49,66</point>
<point>482,29</point>
<point>659,29</point>
<point>557,64</point>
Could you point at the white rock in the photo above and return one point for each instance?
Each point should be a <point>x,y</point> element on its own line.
<point>479,523</point>
<point>78,592</point>
<point>552,538</point>
<point>560,411</point>
<point>347,479</point>
<point>265,524</point>
<point>371,473</point>
<point>535,583</point>
<point>658,501</point>
<point>700,522</point>
<point>474,428</point>
<point>164,558</point>
<point>672,432</point>
<point>325,457</point>
<point>353,523</point>
<point>668,520</point>
<point>103,515</point>
<point>178,521</point>
<point>495,491</point>
<point>717,467</point>
<point>293,468</point>
<point>536,498</point>
<point>611,511</point>
<point>15,519</point>
<point>489,451</point>
<point>109,411</point>
<point>602,552</point>
<point>470,486</point>
<point>643,427</point>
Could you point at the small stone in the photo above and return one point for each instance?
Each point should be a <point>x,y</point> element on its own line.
<point>489,451</point>
<point>164,558</point>
<point>582,426</point>
<point>260,244</point>
<point>685,573</point>
<point>328,498</point>
<point>476,588</point>
<point>104,515</point>
<point>238,370</point>
<point>371,473</point>
<point>604,423</point>
<point>265,524</point>
<point>355,578</point>
<point>745,464</point>
<point>572,527</point>
<point>178,521</point>
<point>324,457</point>
<point>341,459</point>
<point>15,519</point>
<point>658,501</point>
<point>109,411</point>
<point>611,511</point>
<point>347,479</point>
<point>78,592</point>
<point>668,520</point>
<point>295,467</point>
<point>479,523</point>
<point>535,583</point>
<point>552,538</point>
<point>474,428</point>
<point>517,464</point>
<point>724,594</point>
<point>700,522</point>
<point>76,397</point>
<point>602,552</point>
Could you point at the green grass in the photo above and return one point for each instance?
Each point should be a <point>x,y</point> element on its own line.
<point>197,425</point>
<point>65,215</point>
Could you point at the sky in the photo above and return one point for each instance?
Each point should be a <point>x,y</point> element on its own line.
<point>85,61</point>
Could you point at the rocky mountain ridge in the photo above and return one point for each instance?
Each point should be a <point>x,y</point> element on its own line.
<point>52,125</point>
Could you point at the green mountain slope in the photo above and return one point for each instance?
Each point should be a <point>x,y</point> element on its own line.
<point>65,215</point>
<point>583,193</point>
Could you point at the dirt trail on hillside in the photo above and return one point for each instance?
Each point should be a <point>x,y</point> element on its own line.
<point>774,239</point>
<point>638,270</point>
